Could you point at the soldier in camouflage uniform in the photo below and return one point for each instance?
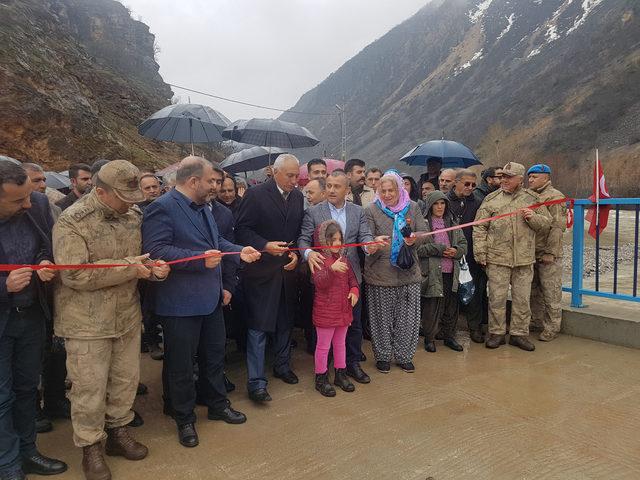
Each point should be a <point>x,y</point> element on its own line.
<point>97,311</point>
<point>546,291</point>
<point>506,247</point>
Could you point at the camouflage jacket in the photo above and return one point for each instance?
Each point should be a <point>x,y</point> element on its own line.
<point>509,241</point>
<point>96,303</point>
<point>551,242</point>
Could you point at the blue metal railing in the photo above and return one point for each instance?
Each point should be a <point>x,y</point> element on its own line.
<point>577,261</point>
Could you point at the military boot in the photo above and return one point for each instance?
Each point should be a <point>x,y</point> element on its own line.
<point>494,341</point>
<point>341,380</point>
<point>521,341</point>
<point>547,336</point>
<point>93,464</point>
<point>121,444</point>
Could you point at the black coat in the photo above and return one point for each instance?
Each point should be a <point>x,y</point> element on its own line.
<point>40,217</point>
<point>464,211</point>
<point>263,217</point>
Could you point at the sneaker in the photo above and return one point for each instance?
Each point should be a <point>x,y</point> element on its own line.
<point>407,367</point>
<point>383,367</point>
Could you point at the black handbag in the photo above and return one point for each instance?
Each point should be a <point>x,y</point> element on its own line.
<point>405,257</point>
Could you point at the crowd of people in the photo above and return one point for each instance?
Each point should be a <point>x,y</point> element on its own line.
<point>177,266</point>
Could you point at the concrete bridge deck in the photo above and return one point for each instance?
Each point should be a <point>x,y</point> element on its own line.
<point>569,410</point>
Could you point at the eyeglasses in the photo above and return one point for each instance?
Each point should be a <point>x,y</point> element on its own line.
<point>495,176</point>
<point>470,184</point>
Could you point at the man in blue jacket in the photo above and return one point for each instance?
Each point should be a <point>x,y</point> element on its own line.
<point>179,225</point>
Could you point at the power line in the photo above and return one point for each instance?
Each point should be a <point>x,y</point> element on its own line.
<point>249,104</point>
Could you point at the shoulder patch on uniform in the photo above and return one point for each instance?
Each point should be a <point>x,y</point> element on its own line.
<point>80,212</point>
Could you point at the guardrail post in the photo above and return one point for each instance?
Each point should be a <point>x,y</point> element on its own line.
<point>577,256</point>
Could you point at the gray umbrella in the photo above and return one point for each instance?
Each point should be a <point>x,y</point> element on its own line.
<point>4,158</point>
<point>57,181</point>
<point>250,159</point>
<point>270,133</point>
<point>185,123</point>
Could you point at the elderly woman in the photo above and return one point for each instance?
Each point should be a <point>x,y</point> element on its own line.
<point>393,293</point>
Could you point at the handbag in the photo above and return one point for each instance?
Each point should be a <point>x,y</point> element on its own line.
<point>405,257</point>
<point>466,285</point>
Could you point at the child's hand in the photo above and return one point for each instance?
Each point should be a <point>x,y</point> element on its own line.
<point>354,299</point>
<point>339,266</point>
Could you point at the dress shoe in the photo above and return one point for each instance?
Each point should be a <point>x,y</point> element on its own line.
<point>341,380</point>
<point>93,464</point>
<point>476,336</point>
<point>187,435</point>
<point>142,389</point>
<point>260,395</point>
<point>383,367</point>
<point>41,465</point>
<point>156,352</point>
<point>407,367</point>
<point>43,424</point>
<point>137,420</point>
<point>430,346</point>
<point>355,371</point>
<point>494,341</point>
<point>453,345</point>
<point>120,443</point>
<point>323,385</point>
<point>229,386</point>
<point>547,336</point>
<point>13,475</point>
<point>287,377</point>
<point>521,341</point>
<point>228,415</point>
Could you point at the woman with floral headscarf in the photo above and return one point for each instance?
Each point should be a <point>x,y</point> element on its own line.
<point>392,286</point>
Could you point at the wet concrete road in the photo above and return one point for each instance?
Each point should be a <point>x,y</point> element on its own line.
<point>569,410</point>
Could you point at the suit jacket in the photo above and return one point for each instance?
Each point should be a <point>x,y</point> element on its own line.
<point>358,230</point>
<point>172,229</point>
<point>225,222</point>
<point>263,216</point>
<point>40,217</point>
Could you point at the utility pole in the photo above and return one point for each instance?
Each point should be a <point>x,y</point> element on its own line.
<point>343,131</point>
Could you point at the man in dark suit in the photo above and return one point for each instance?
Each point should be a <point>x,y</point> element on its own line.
<point>178,225</point>
<point>25,238</point>
<point>269,218</point>
<point>355,227</point>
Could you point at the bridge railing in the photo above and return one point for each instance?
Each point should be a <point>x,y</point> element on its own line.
<point>619,287</point>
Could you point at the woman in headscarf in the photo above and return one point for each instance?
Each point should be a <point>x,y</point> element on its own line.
<point>393,292</point>
<point>411,186</point>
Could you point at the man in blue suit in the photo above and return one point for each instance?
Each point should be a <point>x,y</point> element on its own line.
<point>189,303</point>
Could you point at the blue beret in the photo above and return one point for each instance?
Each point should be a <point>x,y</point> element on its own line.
<point>539,168</point>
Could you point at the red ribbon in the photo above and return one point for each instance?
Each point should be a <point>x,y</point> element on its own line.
<point>87,266</point>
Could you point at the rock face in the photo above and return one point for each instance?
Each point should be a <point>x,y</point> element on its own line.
<point>514,79</point>
<point>77,77</point>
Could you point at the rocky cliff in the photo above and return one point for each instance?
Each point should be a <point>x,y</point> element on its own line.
<point>527,80</point>
<point>77,77</point>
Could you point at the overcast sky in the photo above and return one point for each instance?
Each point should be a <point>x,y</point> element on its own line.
<point>267,52</point>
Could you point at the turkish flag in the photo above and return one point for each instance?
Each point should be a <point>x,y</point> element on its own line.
<point>600,191</point>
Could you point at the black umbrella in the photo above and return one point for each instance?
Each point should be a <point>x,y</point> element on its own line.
<point>250,159</point>
<point>57,181</point>
<point>185,123</point>
<point>270,133</point>
<point>4,158</point>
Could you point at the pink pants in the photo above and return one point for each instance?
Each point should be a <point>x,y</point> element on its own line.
<point>327,337</point>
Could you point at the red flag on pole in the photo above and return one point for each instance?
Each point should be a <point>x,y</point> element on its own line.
<point>598,215</point>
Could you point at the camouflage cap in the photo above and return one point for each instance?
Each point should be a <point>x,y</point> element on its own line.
<point>124,178</point>
<point>513,169</point>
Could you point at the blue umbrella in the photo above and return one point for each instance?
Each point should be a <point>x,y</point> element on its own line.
<point>451,154</point>
<point>250,159</point>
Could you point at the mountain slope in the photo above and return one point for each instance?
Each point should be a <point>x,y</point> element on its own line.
<point>515,79</point>
<point>77,76</point>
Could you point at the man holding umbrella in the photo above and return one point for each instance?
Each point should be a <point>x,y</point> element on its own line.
<point>269,218</point>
